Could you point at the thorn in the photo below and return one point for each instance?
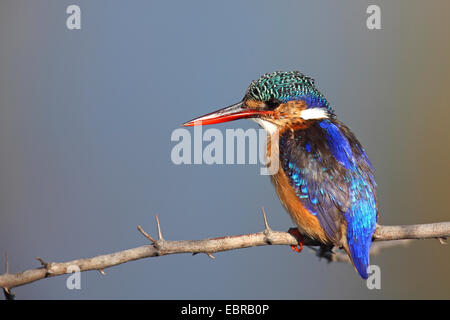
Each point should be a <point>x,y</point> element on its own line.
<point>102,272</point>
<point>267,229</point>
<point>160,237</point>
<point>9,295</point>
<point>43,263</point>
<point>442,240</point>
<point>266,224</point>
<point>145,234</point>
<point>46,265</point>
<point>209,254</point>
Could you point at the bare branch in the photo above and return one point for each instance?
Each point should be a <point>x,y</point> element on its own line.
<point>209,246</point>
<point>413,231</point>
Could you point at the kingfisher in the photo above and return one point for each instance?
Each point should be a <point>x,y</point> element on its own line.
<point>325,180</point>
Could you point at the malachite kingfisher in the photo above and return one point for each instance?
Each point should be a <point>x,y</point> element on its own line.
<point>325,179</point>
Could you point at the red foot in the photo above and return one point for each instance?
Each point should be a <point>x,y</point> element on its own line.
<point>298,248</point>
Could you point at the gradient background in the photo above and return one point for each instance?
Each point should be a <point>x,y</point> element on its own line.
<point>86,118</point>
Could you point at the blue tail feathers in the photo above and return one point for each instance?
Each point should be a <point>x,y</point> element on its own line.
<point>360,228</point>
<point>359,250</point>
<point>361,223</point>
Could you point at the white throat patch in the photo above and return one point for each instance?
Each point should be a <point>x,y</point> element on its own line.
<point>268,126</point>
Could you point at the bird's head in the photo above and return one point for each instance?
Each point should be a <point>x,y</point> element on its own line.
<point>275,100</point>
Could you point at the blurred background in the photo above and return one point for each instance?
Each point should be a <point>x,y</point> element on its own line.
<point>86,118</point>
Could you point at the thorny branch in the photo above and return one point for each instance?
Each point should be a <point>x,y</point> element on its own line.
<point>161,247</point>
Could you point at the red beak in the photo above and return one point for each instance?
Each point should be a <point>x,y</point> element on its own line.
<point>234,112</point>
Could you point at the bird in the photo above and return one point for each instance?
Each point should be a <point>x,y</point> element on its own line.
<point>325,179</point>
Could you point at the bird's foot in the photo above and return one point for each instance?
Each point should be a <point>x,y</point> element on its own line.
<point>299,247</point>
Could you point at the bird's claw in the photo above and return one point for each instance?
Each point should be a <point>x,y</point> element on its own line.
<point>299,247</point>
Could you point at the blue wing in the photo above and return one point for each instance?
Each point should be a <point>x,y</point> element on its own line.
<point>333,178</point>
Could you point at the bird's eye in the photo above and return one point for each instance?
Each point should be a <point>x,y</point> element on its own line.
<point>272,103</point>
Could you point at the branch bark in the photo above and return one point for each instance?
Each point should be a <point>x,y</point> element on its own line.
<point>163,247</point>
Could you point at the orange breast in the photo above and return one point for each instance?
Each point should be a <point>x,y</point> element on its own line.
<point>305,221</point>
